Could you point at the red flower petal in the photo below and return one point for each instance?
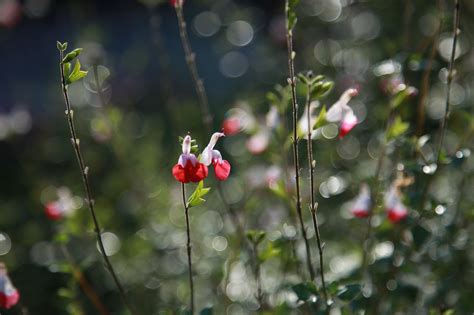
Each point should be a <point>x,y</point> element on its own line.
<point>360,213</point>
<point>396,216</point>
<point>198,172</point>
<point>52,211</point>
<point>190,173</point>
<point>180,174</point>
<point>222,169</point>
<point>7,301</point>
<point>231,126</point>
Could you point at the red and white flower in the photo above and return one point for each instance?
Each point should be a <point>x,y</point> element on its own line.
<point>360,207</point>
<point>341,113</point>
<point>189,169</point>
<point>211,156</point>
<point>9,295</point>
<point>177,3</point>
<point>396,210</point>
<point>61,207</point>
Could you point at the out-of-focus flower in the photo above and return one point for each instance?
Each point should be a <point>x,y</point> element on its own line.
<point>177,3</point>
<point>61,207</point>
<point>341,112</point>
<point>303,122</point>
<point>9,295</point>
<point>189,169</point>
<point>237,120</point>
<point>272,119</point>
<point>210,155</point>
<point>273,175</point>
<point>394,206</point>
<point>231,126</point>
<point>257,143</point>
<point>361,205</point>
<point>10,13</point>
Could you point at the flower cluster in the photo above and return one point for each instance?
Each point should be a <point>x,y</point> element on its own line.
<point>192,169</point>
<point>9,295</point>
<point>394,207</point>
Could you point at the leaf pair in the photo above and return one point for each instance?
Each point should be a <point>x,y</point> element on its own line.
<point>76,73</point>
<point>197,196</point>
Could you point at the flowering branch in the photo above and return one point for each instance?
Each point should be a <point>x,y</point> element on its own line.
<point>188,247</point>
<point>291,21</point>
<point>190,57</point>
<point>313,205</point>
<point>64,64</point>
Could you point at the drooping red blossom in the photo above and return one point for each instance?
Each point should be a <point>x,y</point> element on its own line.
<point>231,126</point>
<point>176,3</point>
<point>211,156</point>
<point>53,211</point>
<point>63,206</point>
<point>361,206</point>
<point>396,210</point>
<point>341,113</point>
<point>189,169</point>
<point>9,295</point>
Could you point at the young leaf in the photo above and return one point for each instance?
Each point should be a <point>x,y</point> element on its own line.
<point>269,252</point>
<point>397,128</point>
<point>73,54</point>
<point>291,18</point>
<point>61,46</point>
<point>321,120</point>
<point>196,198</point>
<point>67,69</point>
<point>255,236</point>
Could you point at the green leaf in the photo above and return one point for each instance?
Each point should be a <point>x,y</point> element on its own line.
<point>73,54</point>
<point>397,128</point>
<point>304,290</point>
<point>67,69</point>
<point>207,311</point>
<point>269,252</point>
<point>77,76</point>
<point>255,236</point>
<point>61,46</point>
<point>349,292</point>
<point>321,120</point>
<point>290,10</point>
<point>196,198</point>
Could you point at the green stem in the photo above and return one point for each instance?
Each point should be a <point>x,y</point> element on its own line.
<point>292,82</point>
<point>188,247</point>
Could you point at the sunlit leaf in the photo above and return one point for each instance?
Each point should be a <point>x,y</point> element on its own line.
<point>196,198</point>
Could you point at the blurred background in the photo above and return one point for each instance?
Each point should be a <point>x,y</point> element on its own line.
<point>131,143</point>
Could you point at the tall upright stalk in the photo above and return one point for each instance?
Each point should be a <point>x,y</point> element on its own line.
<point>313,206</point>
<point>295,140</point>
<point>87,187</point>
<point>447,110</point>
<point>188,247</point>
<point>444,122</point>
<point>190,57</point>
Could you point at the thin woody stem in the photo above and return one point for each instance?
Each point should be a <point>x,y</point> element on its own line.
<point>313,206</point>
<point>188,247</point>
<point>292,82</point>
<point>85,179</point>
<point>447,110</point>
<point>84,283</point>
<point>190,57</point>
<point>444,122</point>
<point>425,81</point>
